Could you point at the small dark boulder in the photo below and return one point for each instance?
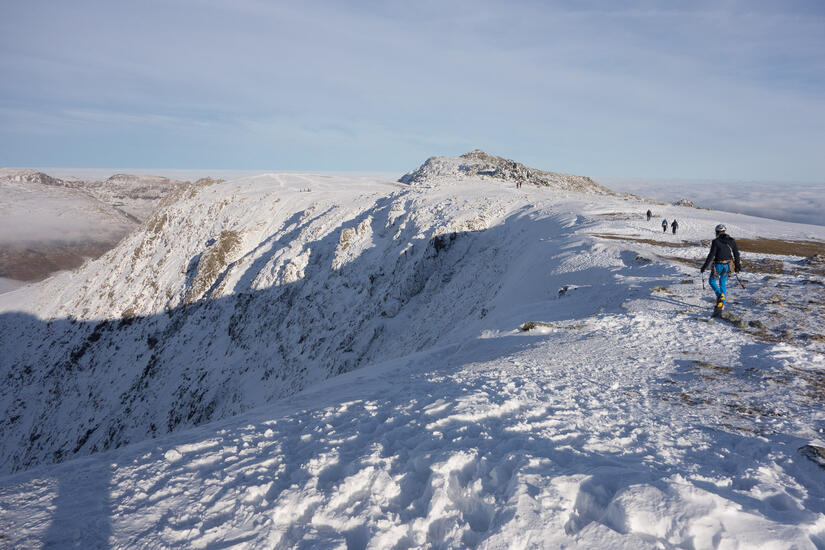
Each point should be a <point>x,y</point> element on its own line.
<point>732,318</point>
<point>814,453</point>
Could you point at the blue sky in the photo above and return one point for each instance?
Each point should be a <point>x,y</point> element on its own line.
<point>722,89</point>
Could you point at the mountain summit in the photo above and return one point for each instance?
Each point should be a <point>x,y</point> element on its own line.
<point>478,164</point>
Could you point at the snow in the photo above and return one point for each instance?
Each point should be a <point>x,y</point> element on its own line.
<point>624,420</point>
<point>7,285</point>
<point>790,201</point>
<point>34,212</point>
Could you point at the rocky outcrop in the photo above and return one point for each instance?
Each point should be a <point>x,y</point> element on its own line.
<point>685,202</point>
<point>478,164</point>
<point>30,176</point>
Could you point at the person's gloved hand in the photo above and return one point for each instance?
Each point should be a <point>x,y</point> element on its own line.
<point>738,269</point>
<point>701,270</point>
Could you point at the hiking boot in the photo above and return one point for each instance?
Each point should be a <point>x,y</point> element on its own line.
<point>720,301</point>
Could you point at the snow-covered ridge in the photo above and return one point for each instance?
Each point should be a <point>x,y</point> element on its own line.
<point>478,164</point>
<point>289,286</point>
<point>135,195</point>
<point>621,420</point>
<point>30,176</point>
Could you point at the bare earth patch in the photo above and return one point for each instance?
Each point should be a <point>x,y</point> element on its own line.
<point>676,244</point>
<point>755,246</point>
<point>780,247</point>
<point>37,261</point>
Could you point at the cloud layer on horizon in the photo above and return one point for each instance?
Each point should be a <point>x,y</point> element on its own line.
<point>793,202</point>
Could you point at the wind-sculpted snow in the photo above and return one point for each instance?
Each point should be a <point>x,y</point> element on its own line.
<point>563,438</point>
<point>457,365</point>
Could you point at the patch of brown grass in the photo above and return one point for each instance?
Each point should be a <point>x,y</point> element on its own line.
<point>706,365</point>
<point>677,244</point>
<point>211,263</point>
<point>36,261</point>
<point>781,247</point>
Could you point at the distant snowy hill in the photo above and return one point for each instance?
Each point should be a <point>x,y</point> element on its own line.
<point>48,224</point>
<point>478,164</point>
<point>296,361</point>
<point>135,195</point>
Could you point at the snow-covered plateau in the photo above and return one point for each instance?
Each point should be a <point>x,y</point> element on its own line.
<point>315,361</point>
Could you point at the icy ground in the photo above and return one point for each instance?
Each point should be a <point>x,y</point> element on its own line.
<point>623,418</point>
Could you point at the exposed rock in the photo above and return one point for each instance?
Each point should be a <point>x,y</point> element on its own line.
<point>732,318</point>
<point>30,176</point>
<point>816,259</point>
<point>814,453</point>
<point>211,263</point>
<point>136,196</point>
<point>566,289</point>
<point>477,163</point>
<point>530,325</point>
<point>685,202</point>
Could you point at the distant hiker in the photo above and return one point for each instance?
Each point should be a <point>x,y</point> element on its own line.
<point>664,225</point>
<point>674,226</point>
<point>649,214</point>
<point>723,253</point>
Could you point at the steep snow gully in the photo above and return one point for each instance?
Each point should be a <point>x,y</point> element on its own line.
<point>295,361</point>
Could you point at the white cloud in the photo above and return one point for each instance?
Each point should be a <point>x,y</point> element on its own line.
<point>795,202</point>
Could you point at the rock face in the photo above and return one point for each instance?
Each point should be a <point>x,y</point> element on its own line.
<point>479,164</point>
<point>30,176</point>
<point>685,202</point>
<point>814,454</point>
<point>815,260</point>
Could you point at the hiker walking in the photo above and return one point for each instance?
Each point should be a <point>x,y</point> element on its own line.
<point>723,254</point>
<point>664,225</point>
<point>649,214</point>
<point>674,226</point>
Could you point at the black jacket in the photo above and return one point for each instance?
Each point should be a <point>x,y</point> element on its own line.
<point>723,248</point>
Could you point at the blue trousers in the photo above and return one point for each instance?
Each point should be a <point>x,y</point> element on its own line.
<point>719,278</point>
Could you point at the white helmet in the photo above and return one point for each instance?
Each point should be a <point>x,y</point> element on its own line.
<point>721,228</point>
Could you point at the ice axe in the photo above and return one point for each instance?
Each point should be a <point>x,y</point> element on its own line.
<point>735,274</point>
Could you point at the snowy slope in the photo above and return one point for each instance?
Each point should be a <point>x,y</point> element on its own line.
<point>623,419</point>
